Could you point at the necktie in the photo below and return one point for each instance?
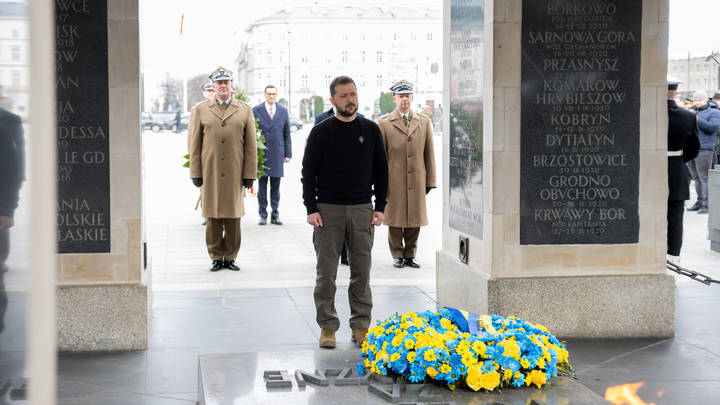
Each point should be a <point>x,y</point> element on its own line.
<point>272,111</point>
<point>405,121</point>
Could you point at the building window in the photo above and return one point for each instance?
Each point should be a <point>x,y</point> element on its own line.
<point>16,78</point>
<point>345,36</point>
<point>15,53</point>
<point>344,56</point>
<point>283,82</point>
<point>429,36</point>
<point>396,36</point>
<point>362,36</point>
<point>379,81</point>
<point>327,80</point>
<point>379,57</point>
<point>413,36</point>
<point>268,57</point>
<point>15,33</point>
<point>304,59</point>
<point>379,36</point>
<point>363,56</point>
<point>304,81</point>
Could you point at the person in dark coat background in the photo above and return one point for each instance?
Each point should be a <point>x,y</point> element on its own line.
<point>274,122</point>
<point>12,174</point>
<point>683,145</point>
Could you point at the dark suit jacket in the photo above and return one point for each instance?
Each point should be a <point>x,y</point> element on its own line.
<point>327,114</point>
<point>12,161</point>
<point>277,137</point>
<point>682,135</point>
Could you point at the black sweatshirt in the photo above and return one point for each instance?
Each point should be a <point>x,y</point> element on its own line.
<point>344,163</point>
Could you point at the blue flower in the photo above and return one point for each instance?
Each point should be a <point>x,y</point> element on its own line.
<point>360,368</point>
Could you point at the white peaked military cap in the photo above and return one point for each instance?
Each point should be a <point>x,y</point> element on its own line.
<point>673,82</point>
<point>402,87</point>
<point>221,74</point>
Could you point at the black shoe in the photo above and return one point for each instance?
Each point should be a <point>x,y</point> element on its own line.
<point>216,265</point>
<point>275,221</point>
<point>262,221</point>
<point>412,263</point>
<point>399,263</point>
<point>703,210</point>
<point>695,206</point>
<point>231,265</point>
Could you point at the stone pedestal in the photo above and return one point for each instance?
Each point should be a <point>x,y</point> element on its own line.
<point>537,247</point>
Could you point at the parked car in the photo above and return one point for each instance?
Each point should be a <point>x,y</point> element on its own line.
<point>184,120</point>
<point>147,120</point>
<point>295,124</point>
<point>164,120</point>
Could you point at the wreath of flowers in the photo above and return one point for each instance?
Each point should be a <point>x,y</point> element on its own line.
<point>429,346</point>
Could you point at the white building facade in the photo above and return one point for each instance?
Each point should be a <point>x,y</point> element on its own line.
<point>300,51</point>
<point>699,73</point>
<point>14,57</point>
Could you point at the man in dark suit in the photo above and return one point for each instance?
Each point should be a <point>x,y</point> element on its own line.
<point>12,174</point>
<point>683,145</point>
<point>274,123</point>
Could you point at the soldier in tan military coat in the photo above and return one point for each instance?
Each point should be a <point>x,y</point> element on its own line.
<point>223,160</point>
<point>411,160</point>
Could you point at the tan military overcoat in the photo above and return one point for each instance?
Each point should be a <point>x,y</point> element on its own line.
<point>223,151</point>
<point>411,161</point>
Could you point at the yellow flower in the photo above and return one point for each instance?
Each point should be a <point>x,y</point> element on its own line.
<point>394,356</point>
<point>511,348</point>
<point>478,347</point>
<point>536,377</point>
<point>476,379</point>
<point>445,368</point>
<point>410,357</point>
<point>507,374</point>
<point>409,344</point>
<point>525,363</point>
<point>430,355</point>
<point>432,372</point>
<point>446,323</point>
<point>397,340</point>
<point>541,363</point>
<point>382,356</point>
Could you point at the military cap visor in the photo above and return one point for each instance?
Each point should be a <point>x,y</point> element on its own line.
<point>207,86</point>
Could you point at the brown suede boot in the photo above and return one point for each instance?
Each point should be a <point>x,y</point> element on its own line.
<point>358,336</point>
<point>327,338</point>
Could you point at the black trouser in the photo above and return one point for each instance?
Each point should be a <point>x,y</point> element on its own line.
<point>675,211</point>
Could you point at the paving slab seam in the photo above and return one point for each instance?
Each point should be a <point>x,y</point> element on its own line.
<point>611,359</point>
<point>697,346</point>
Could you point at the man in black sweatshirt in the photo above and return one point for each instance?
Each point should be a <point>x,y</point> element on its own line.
<point>343,166</point>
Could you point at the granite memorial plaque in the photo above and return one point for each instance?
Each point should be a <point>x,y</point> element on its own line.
<point>466,116</point>
<point>330,377</point>
<point>83,166</point>
<point>580,121</point>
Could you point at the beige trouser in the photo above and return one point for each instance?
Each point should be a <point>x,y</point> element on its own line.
<point>222,245</point>
<point>395,238</point>
<point>350,223</point>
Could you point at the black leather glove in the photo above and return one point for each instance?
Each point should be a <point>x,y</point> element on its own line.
<point>247,183</point>
<point>427,189</point>
<point>197,181</point>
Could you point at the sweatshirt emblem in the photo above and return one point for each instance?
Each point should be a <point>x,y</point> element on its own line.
<point>361,139</point>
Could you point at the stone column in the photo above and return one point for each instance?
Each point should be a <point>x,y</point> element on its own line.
<point>611,283</point>
<point>103,294</point>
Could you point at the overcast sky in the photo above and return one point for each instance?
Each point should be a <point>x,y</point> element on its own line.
<point>210,26</point>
